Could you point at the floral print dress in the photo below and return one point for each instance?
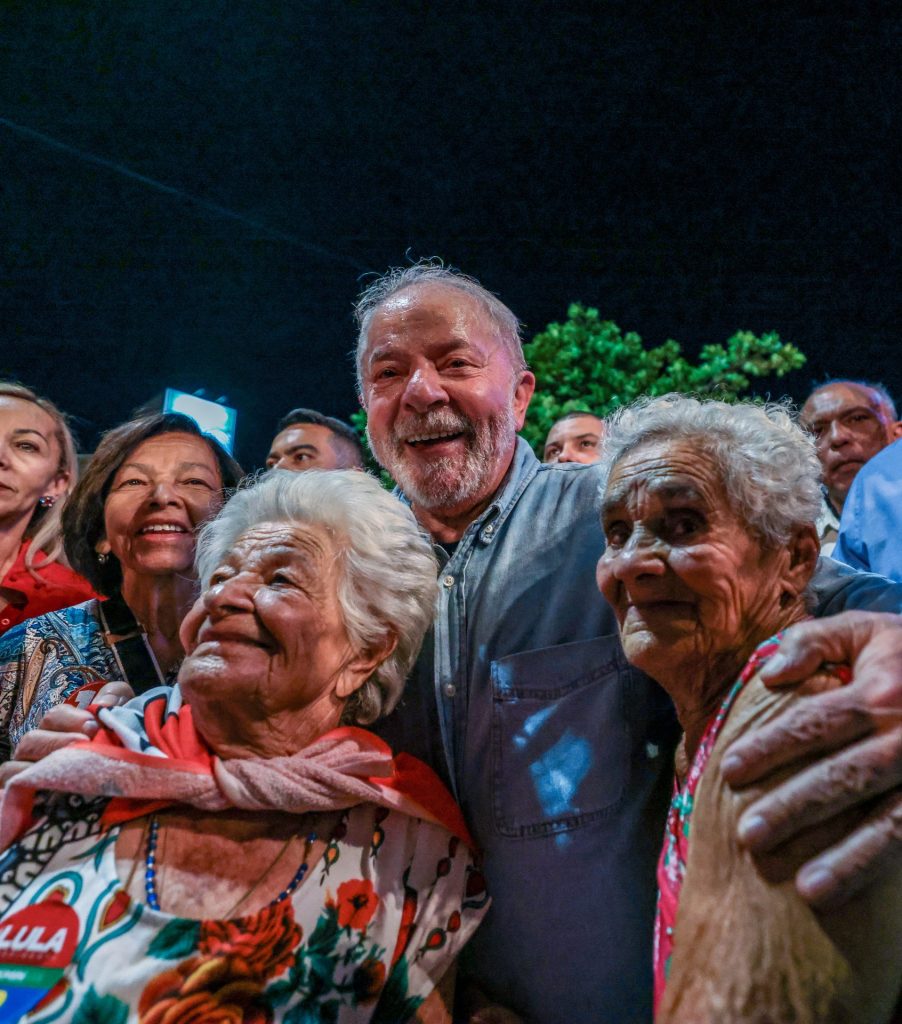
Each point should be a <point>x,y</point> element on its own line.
<point>366,937</point>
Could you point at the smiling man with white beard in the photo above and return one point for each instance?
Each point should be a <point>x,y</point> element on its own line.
<point>558,752</point>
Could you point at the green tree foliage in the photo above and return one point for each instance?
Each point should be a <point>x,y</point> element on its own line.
<point>589,363</point>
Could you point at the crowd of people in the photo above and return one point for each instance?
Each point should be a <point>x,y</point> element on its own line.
<point>599,738</point>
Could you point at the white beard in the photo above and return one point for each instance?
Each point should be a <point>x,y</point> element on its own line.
<point>450,481</point>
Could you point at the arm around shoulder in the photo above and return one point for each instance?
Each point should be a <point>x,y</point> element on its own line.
<point>750,949</point>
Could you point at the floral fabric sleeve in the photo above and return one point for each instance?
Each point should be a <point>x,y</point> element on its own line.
<point>445,899</point>
<point>56,654</point>
<point>12,645</point>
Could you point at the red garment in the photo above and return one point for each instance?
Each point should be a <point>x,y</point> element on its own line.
<point>148,754</point>
<point>26,597</point>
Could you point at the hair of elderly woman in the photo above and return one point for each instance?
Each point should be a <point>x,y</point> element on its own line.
<point>767,462</point>
<point>387,582</point>
<point>433,271</point>
<point>44,528</point>
<point>83,517</point>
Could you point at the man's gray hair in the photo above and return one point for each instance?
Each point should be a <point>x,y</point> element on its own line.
<point>883,396</point>
<point>387,570</point>
<point>433,271</point>
<point>767,462</point>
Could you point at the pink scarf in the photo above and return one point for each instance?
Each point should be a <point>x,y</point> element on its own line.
<point>148,754</point>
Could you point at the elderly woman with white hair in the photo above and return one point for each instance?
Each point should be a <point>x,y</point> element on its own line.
<point>709,513</point>
<point>239,849</point>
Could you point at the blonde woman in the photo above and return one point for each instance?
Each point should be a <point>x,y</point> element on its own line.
<point>38,469</point>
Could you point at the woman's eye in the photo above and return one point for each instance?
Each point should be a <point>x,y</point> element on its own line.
<point>197,482</point>
<point>616,534</point>
<point>27,446</point>
<point>133,482</point>
<point>684,526</point>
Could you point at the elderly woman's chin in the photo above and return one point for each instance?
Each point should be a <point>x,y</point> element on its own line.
<point>221,672</point>
<point>658,648</point>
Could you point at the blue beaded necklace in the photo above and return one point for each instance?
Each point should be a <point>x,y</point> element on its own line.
<point>150,870</point>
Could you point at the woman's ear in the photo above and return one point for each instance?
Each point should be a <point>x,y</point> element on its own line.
<point>102,547</point>
<point>58,486</point>
<point>360,667</point>
<point>804,549</point>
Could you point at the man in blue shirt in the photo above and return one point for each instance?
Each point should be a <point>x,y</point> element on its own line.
<point>870,533</point>
<point>851,421</point>
<point>559,753</point>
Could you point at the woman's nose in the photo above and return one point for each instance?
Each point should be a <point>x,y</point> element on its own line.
<point>644,554</point>
<point>164,493</point>
<point>235,594</point>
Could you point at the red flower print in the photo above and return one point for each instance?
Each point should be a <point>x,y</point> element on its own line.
<point>263,944</point>
<point>204,990</point>
<point>357,902</point>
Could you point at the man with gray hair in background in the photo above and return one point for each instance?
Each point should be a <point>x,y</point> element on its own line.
<point>559,753</point>
<point>851,421</point>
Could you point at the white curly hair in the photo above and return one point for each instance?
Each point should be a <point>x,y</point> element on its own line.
<point>388,572</point>
<point>767,462</point>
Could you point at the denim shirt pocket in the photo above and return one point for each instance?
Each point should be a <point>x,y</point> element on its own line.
<point>561,737</point>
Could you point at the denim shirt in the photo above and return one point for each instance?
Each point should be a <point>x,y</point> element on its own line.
<point>559,753</point>
<point>870,535</point>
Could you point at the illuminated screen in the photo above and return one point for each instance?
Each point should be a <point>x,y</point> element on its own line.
<point>214,419</point>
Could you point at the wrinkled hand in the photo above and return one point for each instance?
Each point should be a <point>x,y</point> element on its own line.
<point>61,726</point>
<point>856,734</point>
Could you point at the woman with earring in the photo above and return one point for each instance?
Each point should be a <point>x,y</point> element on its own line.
<point>38,469</point>
<point>129,529</point>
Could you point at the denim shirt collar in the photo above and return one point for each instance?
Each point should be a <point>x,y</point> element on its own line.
<point>522,469</point>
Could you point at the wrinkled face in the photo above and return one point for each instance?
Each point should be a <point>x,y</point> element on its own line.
<point>29,459</point>
<point>165,488</point>
<point>307,446</point>
<point>442,398</point>
<point>575,440</point>
<point>850,425</point>
<point>689,583</point>
<point>267,635</point>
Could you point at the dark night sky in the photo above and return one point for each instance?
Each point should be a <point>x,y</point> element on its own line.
<point>201,186</point>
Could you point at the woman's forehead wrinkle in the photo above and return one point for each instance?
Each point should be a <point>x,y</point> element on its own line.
<point>282,543</point>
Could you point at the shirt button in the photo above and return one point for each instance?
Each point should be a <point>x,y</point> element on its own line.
<point>450,689</point>
<point>490,529</point>
<point>448,581</point>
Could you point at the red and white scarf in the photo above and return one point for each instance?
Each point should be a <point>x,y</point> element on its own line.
<point>148,755</point>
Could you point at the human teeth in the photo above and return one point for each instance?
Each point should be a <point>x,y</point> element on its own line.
<point>164,528</point>
<point>429,437</point>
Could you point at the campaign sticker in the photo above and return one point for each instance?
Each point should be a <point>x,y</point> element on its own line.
<point>36,946</point>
